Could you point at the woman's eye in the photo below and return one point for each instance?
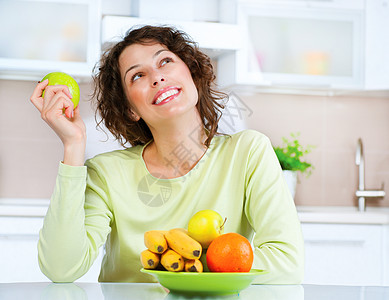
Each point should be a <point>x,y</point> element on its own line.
<point>165,61</point>
<point>136,76</point>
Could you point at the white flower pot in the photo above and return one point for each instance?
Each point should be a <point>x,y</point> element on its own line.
<point>291,180</point>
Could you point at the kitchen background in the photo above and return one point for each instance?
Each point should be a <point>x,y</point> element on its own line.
<point>30,151</point>
<point>331,107</point>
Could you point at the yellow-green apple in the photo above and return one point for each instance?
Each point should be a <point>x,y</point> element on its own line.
<point>60,78</point>
<point>205,225</point>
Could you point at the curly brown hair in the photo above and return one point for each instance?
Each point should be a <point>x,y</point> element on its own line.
<point>112,104</point>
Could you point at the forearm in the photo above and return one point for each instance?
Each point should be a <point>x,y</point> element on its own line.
<point>278,242</point>
<point>63,251</point>
<point>270,209</point>
<point>284,263</point>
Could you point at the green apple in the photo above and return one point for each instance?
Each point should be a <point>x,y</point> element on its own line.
<point>205,225</point>
<point>60,78</point>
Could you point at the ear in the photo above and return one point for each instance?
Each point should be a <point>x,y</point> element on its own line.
<point>133,115</point>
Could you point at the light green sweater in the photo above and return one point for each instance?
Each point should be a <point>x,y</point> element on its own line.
<point>114,200</point>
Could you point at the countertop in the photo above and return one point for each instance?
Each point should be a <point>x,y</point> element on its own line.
<point>343,215</point>
<point>154,291</point>
<point>36,208</point>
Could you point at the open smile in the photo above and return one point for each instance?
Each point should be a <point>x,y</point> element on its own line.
<point>165,95</point>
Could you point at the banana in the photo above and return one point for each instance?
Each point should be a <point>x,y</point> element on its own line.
<point>193,265</point>
<point>183,244</point>
<point>172,261</point>
<point>155,241</point>
<point>149,259</point>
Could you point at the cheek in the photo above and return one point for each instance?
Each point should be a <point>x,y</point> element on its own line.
<point>185,73</point>
<point>194,87</point>
<point>135,96</point>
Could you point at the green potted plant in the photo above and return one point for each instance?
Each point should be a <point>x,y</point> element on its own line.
<point>290,155</point>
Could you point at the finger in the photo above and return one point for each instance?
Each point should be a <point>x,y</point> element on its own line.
<point>36,97</point>
<point>66,105</point>
<point>63,88</point>
<point>53,90</point>
<point>59,103</point>
<point>39,89</point>
<point>77,112</point>
<point>67,92</point>
<point>38,103</point>
<point>69,110</point>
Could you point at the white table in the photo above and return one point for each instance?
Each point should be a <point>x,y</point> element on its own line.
<point>154,291</point>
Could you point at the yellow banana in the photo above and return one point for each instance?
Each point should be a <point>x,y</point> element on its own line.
<point>172,261</point>
<point>149,259</point>
<point>155,241</point>
<point>183,244</point>
<point>193,265</point>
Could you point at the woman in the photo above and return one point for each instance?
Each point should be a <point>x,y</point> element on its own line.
<point>154,91</point>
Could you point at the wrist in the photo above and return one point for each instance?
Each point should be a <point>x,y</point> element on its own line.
<point>74,154</point>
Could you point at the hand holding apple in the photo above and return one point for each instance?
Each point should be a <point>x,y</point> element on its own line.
<point>205,226</point>
<point>60,78</point>
<point>61,115</point>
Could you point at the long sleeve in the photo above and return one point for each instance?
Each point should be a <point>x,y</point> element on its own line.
<point>74,228</point>
<point>278,242</point>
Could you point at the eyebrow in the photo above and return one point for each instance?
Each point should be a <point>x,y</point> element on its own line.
<point>138,65</point>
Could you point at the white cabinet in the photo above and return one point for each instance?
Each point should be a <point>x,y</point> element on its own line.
<point>20,223</point>
<point>214,38</point>
<point>55,35</point>
<point>339,44</point>
<point>346,254</point>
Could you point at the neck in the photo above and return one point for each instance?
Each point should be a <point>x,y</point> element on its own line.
<point>176,148</point>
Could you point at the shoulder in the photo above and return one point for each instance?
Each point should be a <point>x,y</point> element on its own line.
<point>116,157</point>
<point>245,145</point>
<point>251,136</point>
<point>246,139</point>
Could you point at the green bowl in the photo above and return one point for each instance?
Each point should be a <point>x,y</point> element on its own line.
<point>206,283</point>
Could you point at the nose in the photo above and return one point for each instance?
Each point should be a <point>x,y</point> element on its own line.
<point>157,79</point>
<point>155,83</point>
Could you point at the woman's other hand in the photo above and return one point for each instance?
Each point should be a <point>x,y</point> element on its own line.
<point>57,110</point>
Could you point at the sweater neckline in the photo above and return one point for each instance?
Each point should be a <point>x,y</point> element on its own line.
<point>200,162</point>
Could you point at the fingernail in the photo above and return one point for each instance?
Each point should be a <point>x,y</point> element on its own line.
<point>72,113</point>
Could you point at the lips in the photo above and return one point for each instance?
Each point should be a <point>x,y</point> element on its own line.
<point>165,95</point>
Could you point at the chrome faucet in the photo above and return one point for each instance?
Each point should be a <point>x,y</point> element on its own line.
<point>361,193</point>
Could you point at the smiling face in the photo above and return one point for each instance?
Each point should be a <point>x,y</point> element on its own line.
<point>157,83</point>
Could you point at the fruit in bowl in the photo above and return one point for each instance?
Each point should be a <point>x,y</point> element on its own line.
<point>201,248</point>
<point>206,225</point>
<point>172,250</point>
<point>61,78</point>
<point>230,252</point>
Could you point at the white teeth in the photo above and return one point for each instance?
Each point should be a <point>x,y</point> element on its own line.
<point>165,95</point>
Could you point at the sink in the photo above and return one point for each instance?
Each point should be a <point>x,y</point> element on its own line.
<point>343,215</point>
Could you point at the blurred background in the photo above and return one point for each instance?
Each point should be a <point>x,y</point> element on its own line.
<point>317,68</point>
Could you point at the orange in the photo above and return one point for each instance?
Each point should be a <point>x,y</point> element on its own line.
<point>230,252</point>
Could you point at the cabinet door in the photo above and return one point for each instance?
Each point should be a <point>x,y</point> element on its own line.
<point>54,35</point>
<point>19,255</point>
<point>329,4</point>
<point>301,46</point>
<point>344,254</point>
